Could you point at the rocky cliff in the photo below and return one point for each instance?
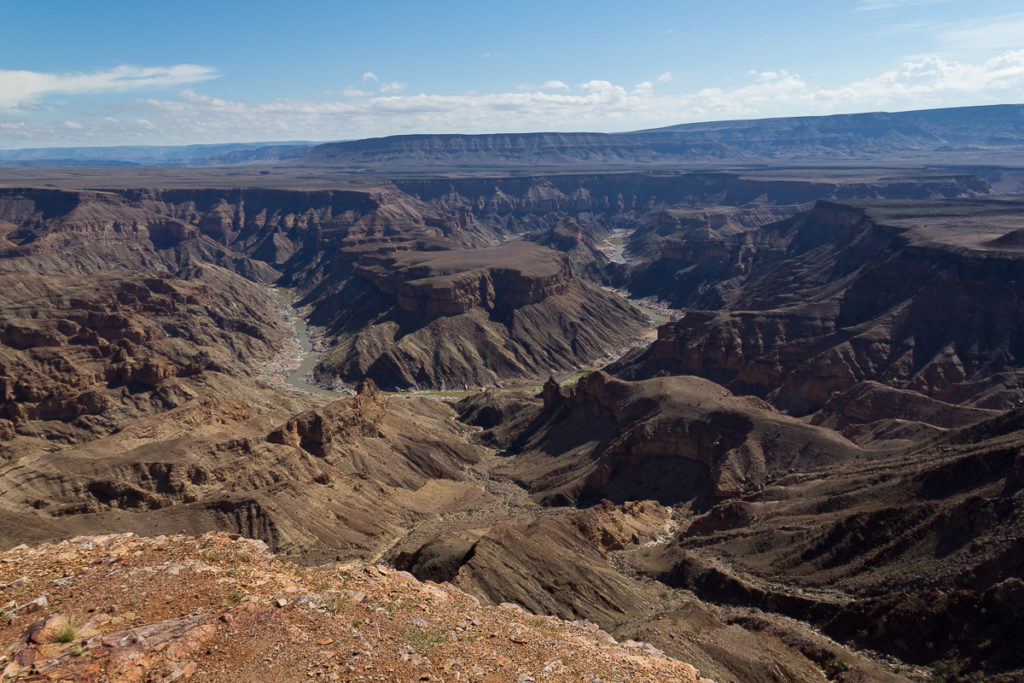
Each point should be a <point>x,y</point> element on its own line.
<point>909,295</point>
<point>81,355</point>
<point>470,317</point>
<point>497,279</point>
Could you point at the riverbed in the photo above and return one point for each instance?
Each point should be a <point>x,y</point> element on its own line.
<point>299,377</point>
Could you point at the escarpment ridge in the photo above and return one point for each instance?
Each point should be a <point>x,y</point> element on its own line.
<point>980,134</point>
<point>912,136</point>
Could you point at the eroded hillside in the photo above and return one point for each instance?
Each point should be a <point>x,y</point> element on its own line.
<point>816,449</point>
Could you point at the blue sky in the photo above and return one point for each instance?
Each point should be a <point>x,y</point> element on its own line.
<point>106,72</point>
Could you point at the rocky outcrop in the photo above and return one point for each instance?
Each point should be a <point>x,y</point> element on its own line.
<point>186,607</point>
<point>315,430</point>
<point>92,346</point>
<point>579,244</point>
<point>366,468</point>
<point>671,439</point>
<point>457,318</point>
<point>903,294</point>
<point>867,413</point>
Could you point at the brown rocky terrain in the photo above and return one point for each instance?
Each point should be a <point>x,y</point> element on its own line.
<point>572,565</point>
<point>475,317</point>
<point>814,306</point>
<point>215,609</point>
<point>369,467</point>
<point>600,202</point>
<point>390,279</point>
<point>384,476</point>
<point>913,552</point>
<point>580,244</point>
<point>673,439</point>
<point>82,355</point>
<point>767,492</point>
<point>665,234</point>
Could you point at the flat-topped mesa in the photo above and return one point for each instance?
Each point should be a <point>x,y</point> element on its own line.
<point>452,282</point>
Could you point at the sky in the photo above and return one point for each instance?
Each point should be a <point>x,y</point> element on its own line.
<point>155,72</point>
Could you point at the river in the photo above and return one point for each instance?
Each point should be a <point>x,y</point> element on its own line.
<point>618,242</point>
<point>307,359</point>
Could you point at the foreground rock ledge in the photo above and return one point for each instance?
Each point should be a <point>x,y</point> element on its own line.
<point>223,608</point>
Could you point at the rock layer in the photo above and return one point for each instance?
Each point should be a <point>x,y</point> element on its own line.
<point>908,295</point>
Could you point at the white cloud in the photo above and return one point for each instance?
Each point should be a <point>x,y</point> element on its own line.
<point>665,77</point>
<point>597,105</point>
<point>25,88</point>
<point>369,75</point>
<point>930,80</point>
<point>354,92</point>
<point>554,85</point>
<point>600,87</point>
<point>393,87</point>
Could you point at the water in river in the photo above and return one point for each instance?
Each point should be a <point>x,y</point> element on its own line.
<point>308,359</point>
<point>618,242</point>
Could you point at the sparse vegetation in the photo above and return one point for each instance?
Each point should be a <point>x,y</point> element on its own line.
<point>68,631</point>
<point>425,641</point>
<point>333,602</point>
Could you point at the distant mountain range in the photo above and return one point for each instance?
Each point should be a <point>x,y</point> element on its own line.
<point>990,134</point>
<point>228,154</point>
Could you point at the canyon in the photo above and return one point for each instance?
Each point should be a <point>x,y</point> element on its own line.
<point>766,418</point>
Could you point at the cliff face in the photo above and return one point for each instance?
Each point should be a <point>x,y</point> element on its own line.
<point>905,295</point>
<point>452,282</point>
<point>79,354</point>
<point>384,273</point>
<point>473,328</point>
<point>636,193</point>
